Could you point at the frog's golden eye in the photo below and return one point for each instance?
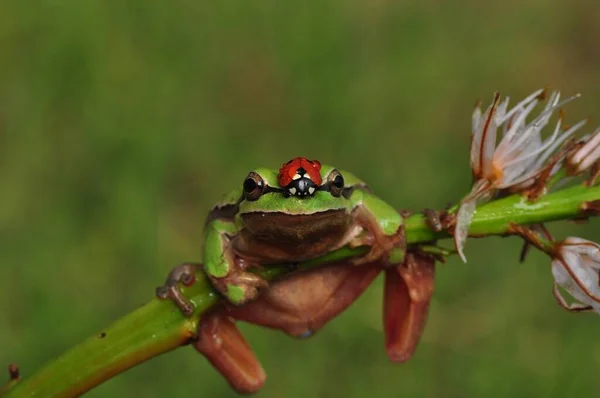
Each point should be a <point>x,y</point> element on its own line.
<point>254,186</point>
<point>335,182</point>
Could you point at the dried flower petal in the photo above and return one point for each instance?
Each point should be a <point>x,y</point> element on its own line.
<point>466,211</point>
<point>463,222</point>
<point>576,268</point>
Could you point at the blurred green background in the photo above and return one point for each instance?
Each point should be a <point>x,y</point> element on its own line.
<point>121,122</point>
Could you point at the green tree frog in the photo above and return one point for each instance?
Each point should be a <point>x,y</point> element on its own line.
<point>302,211</point>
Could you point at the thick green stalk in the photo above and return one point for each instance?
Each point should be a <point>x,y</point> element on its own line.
<point>494,218</point>
<point>152,329</point>
<point>158,326</point>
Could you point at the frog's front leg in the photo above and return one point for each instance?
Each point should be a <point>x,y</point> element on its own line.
<point>183,273</point>
<point>220,341</point>
<point>225,269</point>
<point>305,301</point>
<point>382,225</point>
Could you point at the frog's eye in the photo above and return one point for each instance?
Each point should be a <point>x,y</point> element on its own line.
<point>335,182</point>
<point>254,186</point>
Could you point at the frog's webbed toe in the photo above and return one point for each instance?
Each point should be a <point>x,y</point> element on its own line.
<point>185,274</point>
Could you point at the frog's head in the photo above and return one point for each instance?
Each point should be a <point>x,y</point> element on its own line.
<point>301,186</point>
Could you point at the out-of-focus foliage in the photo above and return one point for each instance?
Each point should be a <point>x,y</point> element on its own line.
<point>122,122</point>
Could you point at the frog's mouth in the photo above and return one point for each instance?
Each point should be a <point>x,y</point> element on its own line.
<point>278,226</point>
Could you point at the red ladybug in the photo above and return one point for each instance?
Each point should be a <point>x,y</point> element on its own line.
<point>300,177</point>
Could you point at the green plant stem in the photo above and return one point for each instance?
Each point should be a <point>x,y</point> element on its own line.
<point>151,330</point>
<point>159,327</point>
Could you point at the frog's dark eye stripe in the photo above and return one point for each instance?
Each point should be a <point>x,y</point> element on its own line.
<point>347,192</point>
<point>270,189</point>
<point>254,187</point>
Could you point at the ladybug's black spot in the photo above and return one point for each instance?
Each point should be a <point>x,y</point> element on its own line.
<point>301,171</point>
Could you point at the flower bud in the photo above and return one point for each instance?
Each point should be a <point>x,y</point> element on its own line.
<point>576,267</point>
<point>585,155</point>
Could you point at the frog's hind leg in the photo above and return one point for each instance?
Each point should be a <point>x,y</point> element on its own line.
<point>298,305</point>
<point>305,301</point>
<point>220,341</point>
<point>407,292</point>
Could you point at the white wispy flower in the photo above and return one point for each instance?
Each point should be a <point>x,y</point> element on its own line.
<point>521,151</point>
<point>576,268</point>
<point>513,159</point>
